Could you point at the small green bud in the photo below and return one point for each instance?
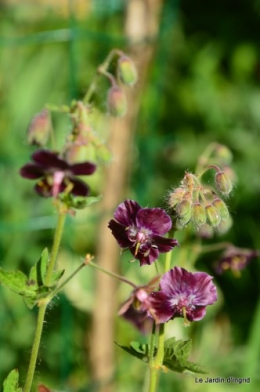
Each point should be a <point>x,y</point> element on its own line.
<point>212,215</point>
<point>116,101</point>
<point>176,196</point>
<point>39,128</point>
<point>199,216</point>
<point>127,70</point>
<point>221,208</point>
<point>223,183</point>
<point>224,154</point>
<point>183,210</point>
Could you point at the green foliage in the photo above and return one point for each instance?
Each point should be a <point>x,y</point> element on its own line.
<point>176,353</point>
<point>32,289</point>
<point>11,382</point>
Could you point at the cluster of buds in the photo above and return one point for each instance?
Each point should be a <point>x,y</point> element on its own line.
<point>193,201</point>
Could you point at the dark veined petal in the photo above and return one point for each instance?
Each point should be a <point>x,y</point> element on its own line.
<point>49,160</point>
<point>197,286</point>
<point>176,281</point>
<point>32,171</point>
<point>205,291</point>
<point>126,213</point>
<point>154,219</point>
<point>140,320</point>
<point>146,258</point>
<point>80,188</point>
<point>197,314</point>
<point>120,234</point>
<point>161,306</point>
<point>164,244</point>
<point>83,169</point>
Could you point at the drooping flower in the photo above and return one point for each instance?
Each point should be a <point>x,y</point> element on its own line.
<point>183,294</point>
<point>235,259</point>
<point>138,308</point>
<point>55,175</point>
<point>141,229</point>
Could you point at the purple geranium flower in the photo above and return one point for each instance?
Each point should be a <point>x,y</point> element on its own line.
<point>235,259</point>
<point>138,309</point>
<point>55,175</point>
<point>140,230</point>
<point>183,294</point>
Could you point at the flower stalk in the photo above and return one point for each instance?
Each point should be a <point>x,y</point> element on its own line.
<point>43,306</point>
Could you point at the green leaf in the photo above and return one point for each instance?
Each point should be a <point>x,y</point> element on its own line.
<point>137,349</point>
<point>55,277</point>
<point>17,282</point>
<point>176,354</point>
<point>11,382</point>
<point>79,202</point>
<point>38,271</point>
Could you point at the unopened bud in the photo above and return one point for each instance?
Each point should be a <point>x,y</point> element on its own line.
<point>127,70</point>
<point>221,208</point>
<point>205,231</point>
<point>116,101</point>
<point>212,215</point>
<point>224,154</point>
<point>176,196</point>
<point>223,183</point>
<point>183,210</point>
<point>39,128</point>
<point>199,216</point>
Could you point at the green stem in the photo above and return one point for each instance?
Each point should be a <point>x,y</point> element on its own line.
<point>101,70</point>
<point>43,307</point>
<point>119,277</point>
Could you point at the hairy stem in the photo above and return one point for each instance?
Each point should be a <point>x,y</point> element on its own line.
<point>43,306</point>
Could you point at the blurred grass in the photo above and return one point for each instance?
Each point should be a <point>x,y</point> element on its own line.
<point>203,87</point>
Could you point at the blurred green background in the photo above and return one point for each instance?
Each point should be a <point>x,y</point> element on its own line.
<point>202,86</point>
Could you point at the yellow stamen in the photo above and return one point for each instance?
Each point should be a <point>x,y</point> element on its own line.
<point>186,321</point>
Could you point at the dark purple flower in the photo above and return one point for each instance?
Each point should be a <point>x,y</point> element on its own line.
<point>235,259</point>
<point>183,294</point>
<point>140,230</point>
<point>55,175</point>
<point>137,308</point>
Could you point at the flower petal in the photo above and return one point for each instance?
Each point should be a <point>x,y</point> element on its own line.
<point>146,258</point>
<point>140,320</point>
<point>164,244</point>
<point>154,219</point>
<point>126,213</point>
<point>49,160</point>
<point>32,171</point>
<point>197,314</point>
<point>120,234</point>
<point>161,306</point>
<point>205,291</point>
<point>83,169</point>
<point>80,188</point>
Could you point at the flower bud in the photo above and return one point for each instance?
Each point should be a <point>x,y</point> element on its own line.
<point>39,128</point>
<point>223,183</point>
<point>199,216</point>
<point>183,210</point>
<point>176,196</point>
<point>116,101</point>
<point>212,215</point>
<point>224,154</point>
<point>221,208</point>
<point>127,70</point>
<point>205,231</point>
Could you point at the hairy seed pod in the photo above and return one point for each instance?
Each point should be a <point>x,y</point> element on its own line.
<point>221,208</point>
<point>199,216</point>
<point>116,101</point>
<point>127,70</point>
<point>39,128</point>
<point>213,216</point>
<point>223,183</point>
